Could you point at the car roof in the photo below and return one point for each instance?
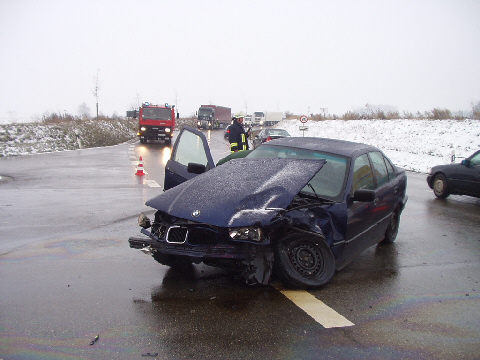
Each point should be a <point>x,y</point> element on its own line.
<point>340,147</point>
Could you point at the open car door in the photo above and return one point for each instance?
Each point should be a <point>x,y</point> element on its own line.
<point>190,156</point>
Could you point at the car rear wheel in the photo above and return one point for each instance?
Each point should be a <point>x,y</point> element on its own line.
<point>440,186</point>
<point>392,230</point>
<point>303,261</point>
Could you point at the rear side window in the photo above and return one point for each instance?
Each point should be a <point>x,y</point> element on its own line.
<point>362,174</point>
<point>379,168</point>
<point>390,169</point>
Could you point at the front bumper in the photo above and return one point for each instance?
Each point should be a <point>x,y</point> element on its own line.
<point>238,251</point>
<point>158,132</point>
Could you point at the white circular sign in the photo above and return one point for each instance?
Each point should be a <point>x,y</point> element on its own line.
<point>303,119</point>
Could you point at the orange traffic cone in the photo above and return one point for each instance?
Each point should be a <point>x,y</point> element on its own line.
<point>140,167</point>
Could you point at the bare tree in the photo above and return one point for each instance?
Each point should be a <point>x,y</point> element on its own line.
<point>476,110</point>
<point>84,111</point>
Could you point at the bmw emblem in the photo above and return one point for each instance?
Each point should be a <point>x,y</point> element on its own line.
<point>196,213</point>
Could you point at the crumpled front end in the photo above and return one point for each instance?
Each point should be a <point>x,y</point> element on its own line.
<point>207,220</point>
<point>247,248</point>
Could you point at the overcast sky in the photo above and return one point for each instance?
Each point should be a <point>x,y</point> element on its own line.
<point>298,56</point>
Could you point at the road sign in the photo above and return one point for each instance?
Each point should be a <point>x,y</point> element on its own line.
<point>303,119</point>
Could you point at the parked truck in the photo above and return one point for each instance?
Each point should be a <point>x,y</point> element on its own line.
<point>213,117</point>
<point>258,118</point>
<point>156,122</point>
<point>273,117</point>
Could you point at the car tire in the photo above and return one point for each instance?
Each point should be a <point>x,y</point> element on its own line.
<point>303,261</point>
<point>440,186</point>
<point>172,261</point>
<point>392,229</point>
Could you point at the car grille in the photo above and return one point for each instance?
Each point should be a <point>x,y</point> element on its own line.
<point>177,235</point>
<point>197,235</point>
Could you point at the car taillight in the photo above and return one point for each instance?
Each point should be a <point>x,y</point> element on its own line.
<point>268,138</point>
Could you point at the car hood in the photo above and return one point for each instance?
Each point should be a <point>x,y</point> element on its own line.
<point>241,192</point>
<point>447,167</point>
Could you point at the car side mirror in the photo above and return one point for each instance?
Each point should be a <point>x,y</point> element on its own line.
<point>465,162</point>
<point>364,195</point>
<point>195,168</point>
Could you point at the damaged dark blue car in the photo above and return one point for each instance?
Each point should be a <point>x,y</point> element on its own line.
<point>294,208</point>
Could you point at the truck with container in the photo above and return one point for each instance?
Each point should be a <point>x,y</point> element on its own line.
<point>156,122</point>
<point>272,118</point>
<point>258,118</point>
<point>213,117</point>
<point>266,118</point>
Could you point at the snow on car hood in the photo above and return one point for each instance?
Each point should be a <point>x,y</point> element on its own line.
<point>240,192</point>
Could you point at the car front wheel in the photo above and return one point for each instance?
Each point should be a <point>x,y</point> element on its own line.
<point>303,261</point>
<point>440,186</point>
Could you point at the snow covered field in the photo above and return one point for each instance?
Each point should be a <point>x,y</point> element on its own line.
<point>415,145</point>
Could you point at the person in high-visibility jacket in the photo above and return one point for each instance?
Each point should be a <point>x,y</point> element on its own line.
<point>237,135</point>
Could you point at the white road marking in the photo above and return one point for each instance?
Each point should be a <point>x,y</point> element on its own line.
<point>321,313</point>
<point>152,183</point>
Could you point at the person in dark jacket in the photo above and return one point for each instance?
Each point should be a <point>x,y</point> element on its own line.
<point>237,135</point>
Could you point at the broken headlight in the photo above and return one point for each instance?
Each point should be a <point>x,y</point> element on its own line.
<point>246,233</point>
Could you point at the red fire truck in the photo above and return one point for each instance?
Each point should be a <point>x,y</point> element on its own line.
<point>156,122</point>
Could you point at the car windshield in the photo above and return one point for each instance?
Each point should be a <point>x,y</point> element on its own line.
<point>157,113</point>
<point>328,183</point>
<point>205,111</point>
<point>277,132</point>
<point>475,160</point>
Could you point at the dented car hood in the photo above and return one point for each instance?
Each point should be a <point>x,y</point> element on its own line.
<point>241,192</point>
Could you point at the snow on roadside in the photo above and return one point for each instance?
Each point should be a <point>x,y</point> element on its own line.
<point>415,145</point>
<point>34,138</point>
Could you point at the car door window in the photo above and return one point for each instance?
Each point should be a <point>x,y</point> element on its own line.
<point>362,174</point>
<point>190,150</point>
<point>379,168</point>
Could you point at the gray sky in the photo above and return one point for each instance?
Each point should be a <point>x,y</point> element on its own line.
<point>298,56</point>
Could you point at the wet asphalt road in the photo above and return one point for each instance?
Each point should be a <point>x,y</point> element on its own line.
<point>68,275</point>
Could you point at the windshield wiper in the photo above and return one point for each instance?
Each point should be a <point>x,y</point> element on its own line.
<point>323,200</point>
<point>311,187</point>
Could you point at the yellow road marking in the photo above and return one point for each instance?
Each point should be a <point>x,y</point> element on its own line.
<point>321,313</point>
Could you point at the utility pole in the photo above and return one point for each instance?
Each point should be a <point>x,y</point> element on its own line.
<point>96,87</point>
